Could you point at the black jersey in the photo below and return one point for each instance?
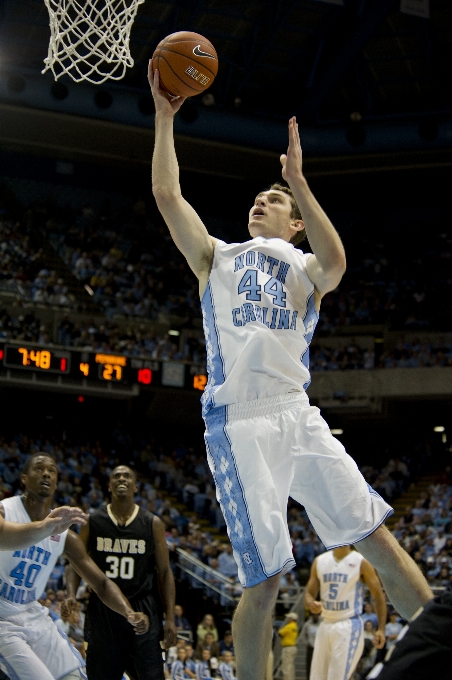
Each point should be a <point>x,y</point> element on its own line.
<point>124,553</point>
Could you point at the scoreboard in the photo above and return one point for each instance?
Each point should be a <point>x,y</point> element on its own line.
<point>77,369</point>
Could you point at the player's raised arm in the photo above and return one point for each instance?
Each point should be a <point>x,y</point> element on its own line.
<point>15,536</point>
<point>186,228</point>
<point>105,589</point>
<point>327,266</point>
<point>370,578</point>
<point>312,590</point>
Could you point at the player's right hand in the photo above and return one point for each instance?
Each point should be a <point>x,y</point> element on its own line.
<point>67,607</point>
<point>62,518</point>
<point>315,607</point>
<point>139,621</point>
<point>164,103</point>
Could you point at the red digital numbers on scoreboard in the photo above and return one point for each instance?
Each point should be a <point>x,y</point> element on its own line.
<point>144,376</point>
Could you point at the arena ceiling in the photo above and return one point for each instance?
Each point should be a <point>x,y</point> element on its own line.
<point>320,60</point>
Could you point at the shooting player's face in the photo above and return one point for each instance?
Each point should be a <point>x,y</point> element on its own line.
<point>270,215</point>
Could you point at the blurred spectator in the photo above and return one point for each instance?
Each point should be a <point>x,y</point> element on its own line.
<point>227,643</point>
<point>207,643</point>
<point>207,625</point>
<point>307,635</point>
<point>393,628</point>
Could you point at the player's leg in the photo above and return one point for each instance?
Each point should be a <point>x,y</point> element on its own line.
<point>347,644</point>
<point>17,659</point>
<point>252,477</point>
<point>321,656</point>
<point>147,661</point>
<point>403,581</point>
<point>344,509</point>
<point>32,647</point>
<point>252,628</point>
<point>107,634</point>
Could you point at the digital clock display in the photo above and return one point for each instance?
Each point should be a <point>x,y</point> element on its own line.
<point>33,358</point>
<point>90,369</point>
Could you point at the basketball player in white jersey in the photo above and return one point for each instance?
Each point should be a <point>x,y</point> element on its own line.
<point>260,302</point>
<point>339,575</point>
<point>15,536</point>
<point>31,646</point>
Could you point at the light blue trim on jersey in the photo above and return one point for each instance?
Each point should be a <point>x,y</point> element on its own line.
<point>12,675</point>
<point>310,320</point>
<point>359,598</point>
<point>355,635</point>
<point>77,655</point>
<point>232,497</point>
<point>215,363</point>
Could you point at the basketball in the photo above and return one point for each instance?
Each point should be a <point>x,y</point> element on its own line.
<point>187,63</point>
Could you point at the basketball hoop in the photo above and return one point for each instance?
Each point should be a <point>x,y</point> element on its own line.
<point>89,39</point>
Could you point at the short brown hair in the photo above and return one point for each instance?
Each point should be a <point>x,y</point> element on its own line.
<point>294,213</point>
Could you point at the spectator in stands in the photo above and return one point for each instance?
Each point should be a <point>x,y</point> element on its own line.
<point>369,654</point>
<point>226,667</point>
<point>180,621</point>
<point>207,625</point>
<point>210,644</point>
<point>179,668</point>
<point>393,628</point>
<point>289,635</point>
<point>369,615</point>
<point>205,669</point>
<point>227,643</point>
<point>190,662</point>
<point>226,562</point>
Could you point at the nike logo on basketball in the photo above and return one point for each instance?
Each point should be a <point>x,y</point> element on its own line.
<point>200,53</point>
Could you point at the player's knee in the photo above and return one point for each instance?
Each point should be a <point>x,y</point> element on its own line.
<point>265,593</point>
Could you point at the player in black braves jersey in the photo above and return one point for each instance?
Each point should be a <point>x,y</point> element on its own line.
<point>128,544</point>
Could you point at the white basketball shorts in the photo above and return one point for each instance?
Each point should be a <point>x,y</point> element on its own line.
<point>337,650</point>
<point>260,453</point>
<point>32,647</point>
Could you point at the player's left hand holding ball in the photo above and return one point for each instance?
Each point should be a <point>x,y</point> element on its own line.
<point>139,621</point>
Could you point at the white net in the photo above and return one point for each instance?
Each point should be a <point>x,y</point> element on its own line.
<point>89,39</point>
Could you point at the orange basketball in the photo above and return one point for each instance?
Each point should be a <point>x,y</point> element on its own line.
<point>187,63</point>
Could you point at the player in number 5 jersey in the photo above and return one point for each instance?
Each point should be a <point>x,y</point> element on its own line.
<point>260,302</point>
<point>339,575</point>
<point>31,646</point>
<point>128,544</point>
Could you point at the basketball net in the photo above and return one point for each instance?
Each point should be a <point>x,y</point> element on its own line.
<point>89,39</point>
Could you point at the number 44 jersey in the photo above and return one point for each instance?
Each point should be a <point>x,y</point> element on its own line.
<point>125,553</point>
<point>259,318</point>
<point>24,573</point>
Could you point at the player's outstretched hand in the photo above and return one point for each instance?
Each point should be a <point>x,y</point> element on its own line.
<point>139,621</point>
<point>379,639</point>
<point>292,161</point>
<point>67,607</point>
<point>61,519</point>
<point>169,634</point>
<point>315,607</point>
<point>164,103</point>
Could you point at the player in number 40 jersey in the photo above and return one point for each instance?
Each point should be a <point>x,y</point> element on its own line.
<point>31,646</point>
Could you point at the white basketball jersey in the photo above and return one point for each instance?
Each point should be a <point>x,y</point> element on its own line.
<point>341,590</point>
<point>24,573</point>
<point>259,318</point>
